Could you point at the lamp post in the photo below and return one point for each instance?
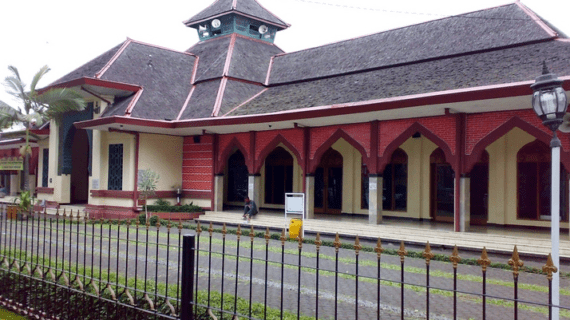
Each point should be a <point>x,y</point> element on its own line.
<point>549,102</point>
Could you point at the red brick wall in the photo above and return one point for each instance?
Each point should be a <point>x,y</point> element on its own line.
<point>443,127</point>
<point>266,141</point>
<point>479,125</point>
<point>360,132</point>
<point>197,164</point>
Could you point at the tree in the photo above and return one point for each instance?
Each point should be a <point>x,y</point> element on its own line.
<point>147,186</point>
<point>35,106</point>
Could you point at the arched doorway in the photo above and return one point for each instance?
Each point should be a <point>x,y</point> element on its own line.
<point>237,177</point>
<point>442,187</point>
<point>479,188</point>
<point>278,176</point>
<point>533,183</point>
<point>328,183</point>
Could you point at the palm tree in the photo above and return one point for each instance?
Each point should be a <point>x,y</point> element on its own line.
<point>35,107</point>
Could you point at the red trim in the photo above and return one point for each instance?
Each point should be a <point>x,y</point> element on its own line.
<point>94,82</point>
<point>40,132</point>
<point>339,133</point>
<point>247,101</point>
<point>396,143</point>
<point>251,162</point>
<point>186,103</point>
<point>269,70</point>
<point>450,96</point>
<point>272,145</point>
<point>234,4</point>
<point>195,70</point>
<point>219,97</point>
<point>229,55</point>
<point>163,48</point>
<point>537,19</point>
<point>44,190</point>
<point>115,194</point>
<point>113,59</point>
<point>133,103</point>
<point>195,194</point>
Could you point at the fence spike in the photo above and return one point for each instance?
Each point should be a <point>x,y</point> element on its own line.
<point>267,236</point>
<point>179,225</point>
<point>251,233</point>
<point>484,261</point>
<point>198,227</point>
<point>516,262</point>
<point>137,223</point>
<point>64,213</point>
<point>455,258</point>
<point>157,224</point>
<point>169,224</point>
<point>57,212</point>
<point>318,241</point>
<point>427,254</point>
<point>238,232</point>
<point>282,238</point>
<point>224,230</point>
<point>378,249</point>
<point>402,251</point>
<point>336,242</point>
<point>300,239</point>
<point>147,224</point>
<point>357,245</point>
<point>549,268</point>
<point>211,228</point>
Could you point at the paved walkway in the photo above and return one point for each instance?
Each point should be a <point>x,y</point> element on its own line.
<point>500,240</point>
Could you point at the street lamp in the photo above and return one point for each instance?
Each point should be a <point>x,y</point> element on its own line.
<point>549,102</point>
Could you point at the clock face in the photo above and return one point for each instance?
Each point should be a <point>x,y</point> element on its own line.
<point>216,23</point>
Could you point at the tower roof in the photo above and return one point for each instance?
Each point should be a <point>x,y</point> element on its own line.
<point>247,8</point>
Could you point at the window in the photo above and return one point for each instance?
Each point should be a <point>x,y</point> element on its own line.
<point>533,182</point>
<point>278,176</point>
<point>115,167</point>
<point>395,184</point>
<point>45,168</point>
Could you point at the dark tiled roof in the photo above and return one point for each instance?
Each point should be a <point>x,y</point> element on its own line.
<point>511,65</point>
<point>482,30</point>
<point>90,68</point>
<point>118,107</point>
<point>202,101</point>
<point>164,75</point>
<point>250,59</point>
<point>248,7</point>
<point>237,92</point>
<point>212,54</point>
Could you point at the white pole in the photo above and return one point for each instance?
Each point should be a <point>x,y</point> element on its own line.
<point>555,223</point>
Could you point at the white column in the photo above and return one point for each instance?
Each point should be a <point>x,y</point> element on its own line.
<point>464,203</point>
<point>310,197</point>
<point>253,186</point>
<point>14,184</point>
<point>555,222</point>
<point>375,190</point>
<point>218,193</point>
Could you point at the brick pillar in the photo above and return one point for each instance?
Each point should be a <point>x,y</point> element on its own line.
<point>464,204</point>
<point>310,196</point>
<point>218,193</point>
<point>375,183</point>
<point>253,188</point>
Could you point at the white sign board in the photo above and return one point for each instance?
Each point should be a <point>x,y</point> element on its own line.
<point>295,204</point>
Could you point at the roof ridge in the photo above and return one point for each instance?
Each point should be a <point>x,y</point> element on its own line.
<point>537,19</point>
<point>162,47</point>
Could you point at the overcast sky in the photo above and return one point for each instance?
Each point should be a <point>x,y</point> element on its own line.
<point>64,34</point>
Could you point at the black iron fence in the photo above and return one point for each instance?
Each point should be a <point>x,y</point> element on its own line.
<point>65,266</point>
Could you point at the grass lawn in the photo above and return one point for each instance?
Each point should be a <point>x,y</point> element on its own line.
<point>7,315</point>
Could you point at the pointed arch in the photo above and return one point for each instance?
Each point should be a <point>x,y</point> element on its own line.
<point>339,133</point>
<point>227,152</point>
<point>416,127</point>
<point>279,138</point>
<point>514,122</point>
